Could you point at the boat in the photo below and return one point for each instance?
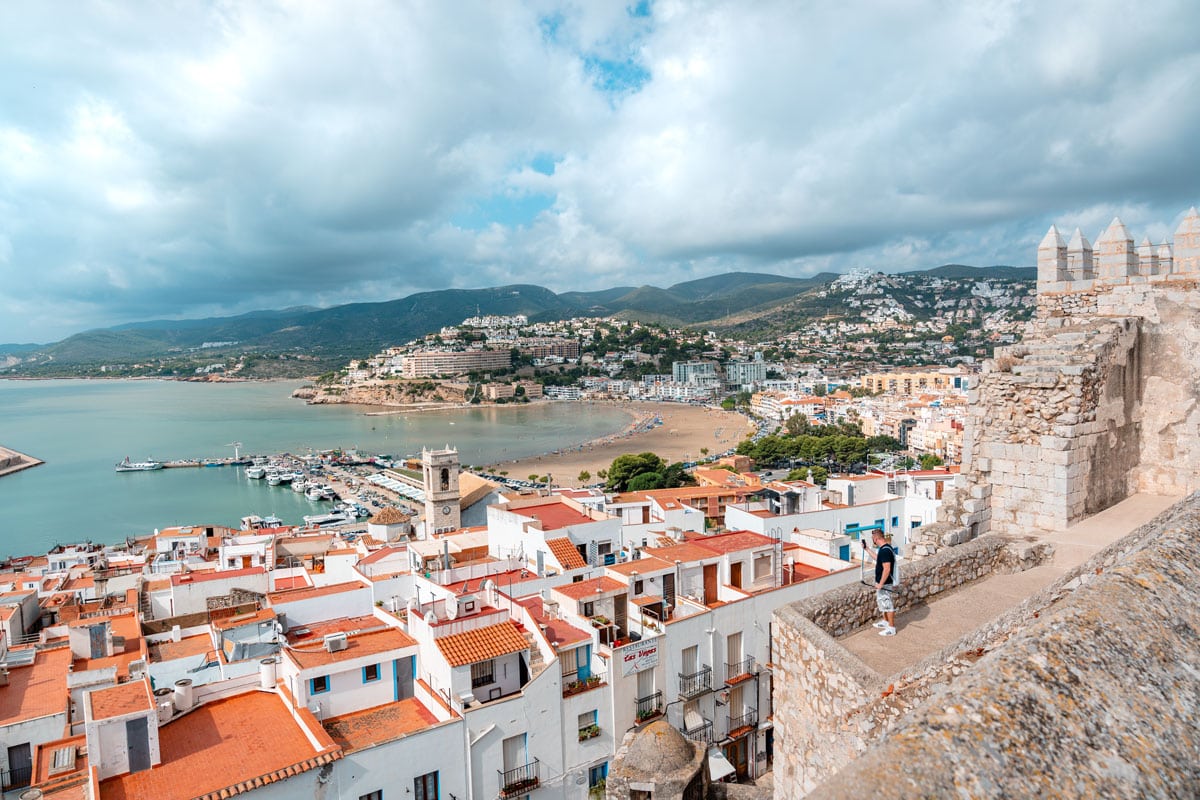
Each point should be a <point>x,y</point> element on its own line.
<point>273,478</point>
<point>257,472</point>
<point>138,466</point>
<point>299,485</point>
<point>327,520</point>
<point>315,492</point>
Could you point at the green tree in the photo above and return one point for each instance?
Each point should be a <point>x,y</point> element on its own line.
<point>584,476</point>
<point>929,461</point>
<point>884,444</point>
<point>626,467</point>
<point>645,481</point>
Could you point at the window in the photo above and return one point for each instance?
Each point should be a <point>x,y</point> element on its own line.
<point>370,673</point>
<point>589,609</point>
<point>588,725</point>
<point>425,787</point>
<point>375,795</point>
<point>318,685</point>
<point>895,522</point>
<point>916,523</point>
<point>637,586</point>
<point>762,566</point>
<point>569,660</point>
<point>597,774</point>
<point>483,673</point>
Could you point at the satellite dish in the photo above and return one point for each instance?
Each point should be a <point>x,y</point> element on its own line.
<point>451,608</point>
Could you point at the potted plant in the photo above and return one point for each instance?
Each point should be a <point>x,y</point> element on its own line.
<point>590,732</point>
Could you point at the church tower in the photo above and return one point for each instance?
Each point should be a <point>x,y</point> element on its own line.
<point>442,501</point>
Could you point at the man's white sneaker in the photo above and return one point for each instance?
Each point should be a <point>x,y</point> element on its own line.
<point>888,631</point>
<point>882,624</point>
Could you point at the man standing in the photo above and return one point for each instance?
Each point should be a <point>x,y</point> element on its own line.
<point>885,588</point>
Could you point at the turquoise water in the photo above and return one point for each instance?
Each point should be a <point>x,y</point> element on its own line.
<point>82,428</point>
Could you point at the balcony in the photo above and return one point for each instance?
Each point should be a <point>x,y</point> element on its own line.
<point>649,706</point>
<point>743,724</point>
<point>696,683</point>
<point>519,780</point>
<point>701,733</point>
<point>740,671</point>
<point>573,684</point>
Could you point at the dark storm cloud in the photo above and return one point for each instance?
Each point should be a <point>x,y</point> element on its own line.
<point>199,159</point>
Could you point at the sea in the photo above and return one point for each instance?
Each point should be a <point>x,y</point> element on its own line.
<point>81,428</point>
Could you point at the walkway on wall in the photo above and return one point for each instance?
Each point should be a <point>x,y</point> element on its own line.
<point>930,627</point>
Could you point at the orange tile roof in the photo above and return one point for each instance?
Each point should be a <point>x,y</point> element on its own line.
<point>43,760</point>
<point>642,566</point>
<point>585,589</point>
<point>225,748</point>
<point>119,700</point>
<point>554,515</point>
<point>358,645</point>
<point>681,552</point>
<point>198,577</point>
<point>566,553</point>
<point>292,582</point>
<point>309,592</point>
<point>383,553</point>
<point>375,726</point>
<point>559,632</point>
<point>318,630</point>
<point>734,541</point>
<point>38,690</point>
<point>481,644</point>
<point>186,647</point>
<point>125,625</point>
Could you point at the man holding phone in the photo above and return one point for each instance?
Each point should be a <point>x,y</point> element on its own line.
<point>885,589</point>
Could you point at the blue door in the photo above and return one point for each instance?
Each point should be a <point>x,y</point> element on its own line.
<point>844,552</point>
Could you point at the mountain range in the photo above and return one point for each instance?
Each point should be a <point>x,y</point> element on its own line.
<point>360,329</point>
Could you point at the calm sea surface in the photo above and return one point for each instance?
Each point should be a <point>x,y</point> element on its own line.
<point>82,428</point>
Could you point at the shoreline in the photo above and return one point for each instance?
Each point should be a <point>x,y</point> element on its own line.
<point>673,431</point>
<point>13,461</point>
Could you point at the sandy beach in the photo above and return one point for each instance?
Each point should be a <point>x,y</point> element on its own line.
<point>676,432</point>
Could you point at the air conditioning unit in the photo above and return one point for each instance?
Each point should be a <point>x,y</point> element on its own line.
<point>336,642</point>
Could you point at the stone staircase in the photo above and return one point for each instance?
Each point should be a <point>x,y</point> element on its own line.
<point>536,663</point>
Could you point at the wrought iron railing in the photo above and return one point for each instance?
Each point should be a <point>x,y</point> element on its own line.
<point>15,778</point>
<point>739,670</point>
<point>696,683</point>
<point>519,780</point>
<point>701,733</point>
<point>649,706</point>
<point>747,720</point>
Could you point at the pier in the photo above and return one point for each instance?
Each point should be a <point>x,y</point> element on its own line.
<point>12,462</point>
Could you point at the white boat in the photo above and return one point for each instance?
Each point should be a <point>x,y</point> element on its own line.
<point>315,492</point>
<point>327,520</point>
<point>286,477</point>
<point>138,466</point>
<point>299,485</point>
<point>273,478</point>
<point>257,472</point>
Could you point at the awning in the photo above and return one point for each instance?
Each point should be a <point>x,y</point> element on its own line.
<point>718,765</point>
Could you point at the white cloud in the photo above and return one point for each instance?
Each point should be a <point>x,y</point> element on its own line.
<point>169,161</point>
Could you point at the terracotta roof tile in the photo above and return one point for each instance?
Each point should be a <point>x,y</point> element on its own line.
<point>374,726</point>
<point>481,644</point>
<point>357,646</point>
<point>38,690</point>
<point>566,553</point>
<point>309,592</point>
<point>119,700</point>
<point>585,589</point>
<point>225,748</point>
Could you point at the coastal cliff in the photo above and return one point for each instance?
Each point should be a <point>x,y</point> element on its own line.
<point>390,394</point>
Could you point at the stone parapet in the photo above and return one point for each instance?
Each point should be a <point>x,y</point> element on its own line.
<point>1086,690</point>
<point>829,705</point>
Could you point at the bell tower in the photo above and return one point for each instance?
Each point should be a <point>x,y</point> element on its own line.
<point>442,501</point>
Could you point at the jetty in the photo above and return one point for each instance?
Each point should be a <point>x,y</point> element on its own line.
<point>12,462</point>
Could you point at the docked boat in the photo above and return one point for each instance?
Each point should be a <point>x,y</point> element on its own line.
<point>274,479</point>
<point>327,520</point>
<point>315,492</point>
<point>138,466</point>
<point>299,485</point>
<point>258,472</point>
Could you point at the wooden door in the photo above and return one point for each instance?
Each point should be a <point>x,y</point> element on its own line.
<point>710,584</point>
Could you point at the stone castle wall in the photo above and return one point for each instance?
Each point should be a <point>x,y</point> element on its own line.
<point>1097,402</point>
<point>1095,696</point>
<point>829,705</point>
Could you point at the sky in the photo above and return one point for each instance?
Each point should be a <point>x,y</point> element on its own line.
<point>191,159</point>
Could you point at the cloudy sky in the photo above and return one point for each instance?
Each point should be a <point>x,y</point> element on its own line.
<point>196,158</point>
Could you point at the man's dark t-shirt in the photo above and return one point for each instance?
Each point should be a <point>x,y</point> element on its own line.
<point>885,555</point>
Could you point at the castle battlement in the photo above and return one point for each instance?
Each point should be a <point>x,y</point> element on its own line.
<point>1075,267</point>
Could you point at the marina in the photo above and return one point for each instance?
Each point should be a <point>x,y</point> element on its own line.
<point>81,428</point>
